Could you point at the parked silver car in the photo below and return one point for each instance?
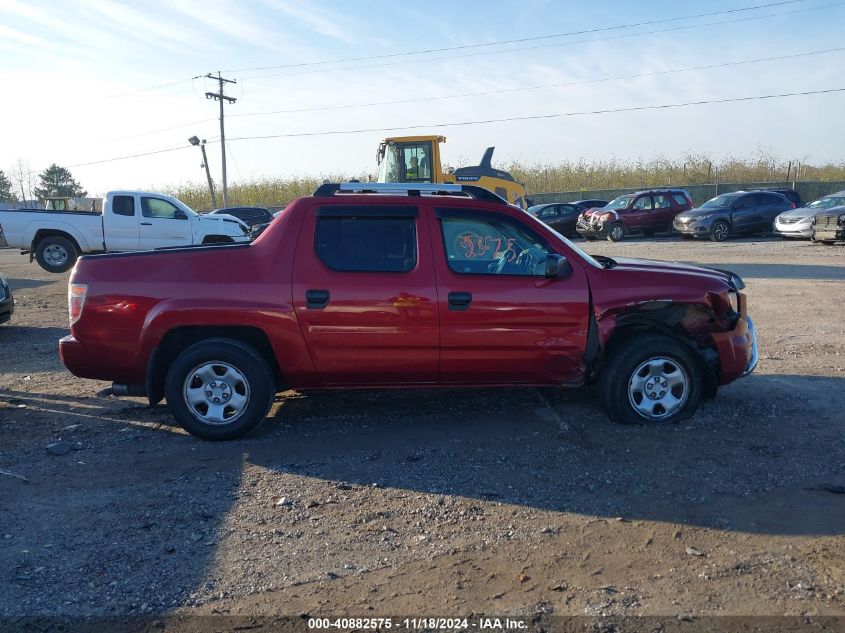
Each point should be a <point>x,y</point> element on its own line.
<point>799,222</point>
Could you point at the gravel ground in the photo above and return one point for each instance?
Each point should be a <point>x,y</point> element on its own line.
<point>509,501</point>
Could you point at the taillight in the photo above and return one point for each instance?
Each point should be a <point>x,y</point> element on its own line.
<point>76,294</point>
<point>793,204</point>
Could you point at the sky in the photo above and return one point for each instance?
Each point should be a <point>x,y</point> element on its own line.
<point>96,80</point>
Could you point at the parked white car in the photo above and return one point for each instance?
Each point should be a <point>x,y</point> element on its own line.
<point>799,222</point>
<point>130,221</point>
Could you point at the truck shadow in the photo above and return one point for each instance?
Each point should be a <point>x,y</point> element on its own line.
<point>756,459</point>
<point>26,350</point>
<point>147,514</point>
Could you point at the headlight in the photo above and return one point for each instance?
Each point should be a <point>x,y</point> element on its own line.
<point>842,219</point>
<point>706,216</point>
<point>604,217</point>
<point>3,287</point>
<point>733,298</point>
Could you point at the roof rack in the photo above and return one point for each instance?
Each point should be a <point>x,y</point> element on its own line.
<point>411,189</point>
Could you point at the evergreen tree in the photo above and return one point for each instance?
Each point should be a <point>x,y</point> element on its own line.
<point>58,181</point>
<point>6,194</point>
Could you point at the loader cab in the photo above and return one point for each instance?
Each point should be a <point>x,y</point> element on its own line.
<point>410,159</point>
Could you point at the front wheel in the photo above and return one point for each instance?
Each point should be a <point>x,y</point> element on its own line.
<point>650,379</point>
<point>616,232</point>
<point>720,231</point>
<point>219,389</point>
<point>56,254</point>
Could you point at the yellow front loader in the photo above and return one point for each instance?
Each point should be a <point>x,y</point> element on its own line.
<point>417,159</point>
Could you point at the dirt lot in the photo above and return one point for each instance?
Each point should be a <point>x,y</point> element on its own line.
<point>510,501</point>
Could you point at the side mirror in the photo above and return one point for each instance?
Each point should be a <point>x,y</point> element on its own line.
<point>557,266</point>
<point>180,215</point>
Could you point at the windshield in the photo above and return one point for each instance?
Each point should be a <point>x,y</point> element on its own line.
<point>619,203</point>
<point>406,162</point>
<point>827,203</point>
<point>720,202</point>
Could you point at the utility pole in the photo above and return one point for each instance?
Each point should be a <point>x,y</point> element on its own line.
<point>219,96</point>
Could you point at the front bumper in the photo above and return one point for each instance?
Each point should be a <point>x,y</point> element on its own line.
<point>833,234</point>
<point>794,229</point>
<point>692,227</point>
<point>738,350</point>
<point>588,229</point>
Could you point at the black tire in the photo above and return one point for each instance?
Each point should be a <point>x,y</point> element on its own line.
<point>251,378</point>
<point>631,355</point>
<point>56,254</point>
<point>616,232</point>
<point>720,231</point>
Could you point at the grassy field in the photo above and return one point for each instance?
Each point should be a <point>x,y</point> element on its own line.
<point>562,176</point>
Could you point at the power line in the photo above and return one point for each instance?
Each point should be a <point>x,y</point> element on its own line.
<point>518,40</point>
<point>493,92</point>
<point>664,106</point>
<point>117,158</point>
<point>542,46</point>
<point>541,86</point>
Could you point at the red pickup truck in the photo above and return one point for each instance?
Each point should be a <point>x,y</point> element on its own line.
<point>386,285</point>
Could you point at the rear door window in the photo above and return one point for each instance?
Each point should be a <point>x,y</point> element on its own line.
<point>356,239</point>
<point>680,198</point>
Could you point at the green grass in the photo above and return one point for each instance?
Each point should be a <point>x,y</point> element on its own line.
<point>580,175</point>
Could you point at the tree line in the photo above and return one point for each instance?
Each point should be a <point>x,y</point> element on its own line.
<point>55,181</point>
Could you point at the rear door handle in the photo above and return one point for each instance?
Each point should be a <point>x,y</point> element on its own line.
<point>460,300</point>
<point>316,299</point>
<point>146,223</point>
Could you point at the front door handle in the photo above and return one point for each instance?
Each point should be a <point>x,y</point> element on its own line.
<point>316,299</point>
<point>146,223</point>
<point>460,300</point>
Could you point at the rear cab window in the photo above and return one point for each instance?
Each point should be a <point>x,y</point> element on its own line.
<point>367,239</point>
<point>123,205</point>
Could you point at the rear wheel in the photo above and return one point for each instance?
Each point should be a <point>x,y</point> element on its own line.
<point>650,379</point>
<point>720,231</point>
<point>616,232</point>
<point>56,254</point>
<point>219,389</point>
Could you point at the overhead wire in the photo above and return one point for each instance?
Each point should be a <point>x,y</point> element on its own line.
<point>544,46</point>
<point>517,40</point>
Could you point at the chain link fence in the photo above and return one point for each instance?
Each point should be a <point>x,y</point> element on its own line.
<point>808,190</point>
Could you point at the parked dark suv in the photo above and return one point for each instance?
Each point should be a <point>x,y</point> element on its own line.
<point>562,216</point>
<point>647,212</point>
<point>736,213</point>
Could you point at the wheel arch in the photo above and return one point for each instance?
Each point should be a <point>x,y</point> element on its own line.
<point>677,321</point>
<point>179,338</point>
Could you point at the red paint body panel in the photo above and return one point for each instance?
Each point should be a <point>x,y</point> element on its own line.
<point>378,329</point>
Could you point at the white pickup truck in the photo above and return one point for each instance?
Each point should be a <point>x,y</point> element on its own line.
<point>130,221</point>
